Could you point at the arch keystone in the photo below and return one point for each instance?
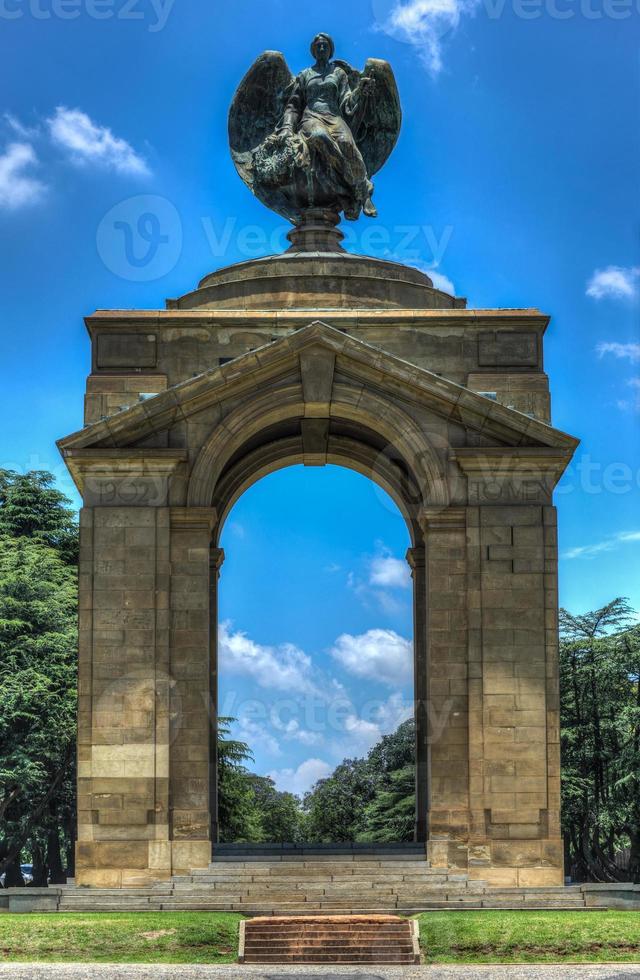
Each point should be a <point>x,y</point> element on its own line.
<point>317,368</point>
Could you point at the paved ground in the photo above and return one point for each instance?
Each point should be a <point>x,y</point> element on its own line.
<point>83,971</point>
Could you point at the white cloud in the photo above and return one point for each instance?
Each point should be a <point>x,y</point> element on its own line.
<point>607,544</point>
<point>292,731</point>
<point>614,282</point>
<point>283,668</point>
<point>442,282</point>
<point>24,132</point>
<point>423,24</point>
<point>88,143</point>
<point>380,655</point>
<point>300,780</point>
<point>629,352</point>
<point>389,572</point>
<point>393,712</point>
<point>631,404</point>
<point>384,576</point>
<point>17,187</point>
<point>439,280</point>
<point>251,731</point>
<point>362,730</point>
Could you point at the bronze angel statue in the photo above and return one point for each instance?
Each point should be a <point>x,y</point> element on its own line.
<point>314,141</point>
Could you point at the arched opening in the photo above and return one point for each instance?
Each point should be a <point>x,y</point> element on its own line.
<point>315,661</point>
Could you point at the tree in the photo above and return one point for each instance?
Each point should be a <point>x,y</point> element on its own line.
<point>600,716</point>
<point>391,815</point>
<point>353,802</point>
<point>281,818</point>
<point>30,507</point>
<point>334,805</point>
<point>38,665</point>
<point>238,817</point>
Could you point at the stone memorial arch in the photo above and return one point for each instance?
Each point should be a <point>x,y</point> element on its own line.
<point>314,358</point>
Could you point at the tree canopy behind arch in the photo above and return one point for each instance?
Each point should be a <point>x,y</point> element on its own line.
<point>38,670</point>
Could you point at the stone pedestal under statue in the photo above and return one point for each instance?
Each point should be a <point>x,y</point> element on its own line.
<point>314,358</point>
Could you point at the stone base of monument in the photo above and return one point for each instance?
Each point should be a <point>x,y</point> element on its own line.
<point>338,939</point>
<point>321,888</point>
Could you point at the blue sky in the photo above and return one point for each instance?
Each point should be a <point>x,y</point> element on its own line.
<point>515,177</point>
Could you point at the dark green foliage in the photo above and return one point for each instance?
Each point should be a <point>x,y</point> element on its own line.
<point>250,808</point>
<point>370,799</point>
<point>335,805</point>
<point>280,815</point>
<point>391,814</point>
<point>600,712</point>
<point>237,814</point>
<point>38,666</point>
<point>31,508</point>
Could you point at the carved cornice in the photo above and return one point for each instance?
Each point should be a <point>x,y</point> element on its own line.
<point>195,519</point>
<point>366,363</point>
<point>121,463</point>
<point>432,519</point>
<point>495,463</point>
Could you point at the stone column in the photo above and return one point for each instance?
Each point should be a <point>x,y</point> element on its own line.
<point>123,670</point>
<point>215,564</point>
<point>191,710</point>
<point>447,652</point>
<point>417,563</point>
<point>514,720</point>
<point>515,712</point>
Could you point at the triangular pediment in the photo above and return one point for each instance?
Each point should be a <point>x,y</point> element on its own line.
<point>255,371</point>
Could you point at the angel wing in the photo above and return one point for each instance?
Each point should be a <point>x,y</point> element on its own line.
<point>378,128</point>
<point>257,109</point>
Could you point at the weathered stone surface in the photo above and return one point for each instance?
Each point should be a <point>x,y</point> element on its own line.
<point>385,376</point>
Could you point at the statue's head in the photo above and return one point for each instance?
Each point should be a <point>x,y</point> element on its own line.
<point>322,47</point>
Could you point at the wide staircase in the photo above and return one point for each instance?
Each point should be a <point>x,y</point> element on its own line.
<point>284,880</point>
<point>342,939</point>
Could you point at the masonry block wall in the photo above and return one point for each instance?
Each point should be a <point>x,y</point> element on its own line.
<point>445,407</point>
<point>123,763</point>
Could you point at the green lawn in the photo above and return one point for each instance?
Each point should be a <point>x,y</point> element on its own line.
<point>212,937</point>
<point>121,937</point>
<point>530,937</point>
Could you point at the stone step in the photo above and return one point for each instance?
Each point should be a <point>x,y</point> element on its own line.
<point>348,848</point>
<point>299,931</point>
<point>323,937</point>
<point>346,866</point>
<point>361,959</point>
<point>363,859</point>
<point>263,908</point>
<point>545,890</point>
<point>277,881</point>
<point>321,873</point>
<point>322,894</point>
<point>336,884</point>
<point>340,939</point>
<point>358,898</point>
